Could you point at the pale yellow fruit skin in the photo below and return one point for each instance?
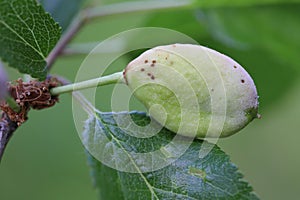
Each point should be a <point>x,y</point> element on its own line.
<point>194,73</point>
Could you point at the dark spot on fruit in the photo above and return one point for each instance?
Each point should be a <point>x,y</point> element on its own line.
<point>234,66</point>
<point>152,65</point>
<point>153,61</point>
<point>243,81</point>
<point>166,58</point>
<point>171,63</point>
<point>142,69</point>
<point>152,77</point>
<point>146,61</point>
<point>124,75</point>
<point>212,90</point>
<point>149,74</point>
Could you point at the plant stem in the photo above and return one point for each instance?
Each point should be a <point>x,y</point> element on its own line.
<point>87,106</point>
<point>104,80</point>
<point>65,40</point>
<point>12,104</point>
<point>110,10</point>
<point>7,128</point>
<point>113,46</point>
<point>135,7</point>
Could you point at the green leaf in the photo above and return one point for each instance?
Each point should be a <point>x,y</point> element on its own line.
<point>189,177</point>
<point>273,28</point>
<point>184,21</point>
<point>63,11</point>
<point>3,79</point>
<point>27,35</point>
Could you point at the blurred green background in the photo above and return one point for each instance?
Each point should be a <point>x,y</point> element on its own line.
<point>45,159</point>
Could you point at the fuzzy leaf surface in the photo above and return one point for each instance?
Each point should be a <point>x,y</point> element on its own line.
<point>27,35</point>
<point>189,177</point>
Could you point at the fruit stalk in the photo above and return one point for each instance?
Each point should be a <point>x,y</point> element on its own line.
<point>104,80</point>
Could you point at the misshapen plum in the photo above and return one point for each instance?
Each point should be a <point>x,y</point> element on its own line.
<point>183,79</point>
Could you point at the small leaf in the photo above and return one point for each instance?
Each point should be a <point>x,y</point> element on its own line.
<point>27,35</point>
<point>189,177</point>
<point>63,11</point>
<point>3,79</point>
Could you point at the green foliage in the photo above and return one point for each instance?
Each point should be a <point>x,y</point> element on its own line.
<point>62,11</point>
<point>265,44</point>
<point>27,35</point>
<point>189,177</point>
<point>272,28</point>
<point>187,23</point>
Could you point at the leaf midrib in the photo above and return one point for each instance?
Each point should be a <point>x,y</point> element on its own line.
<point>33,35</point>
<point>151,188</point>
<point>19,36</point>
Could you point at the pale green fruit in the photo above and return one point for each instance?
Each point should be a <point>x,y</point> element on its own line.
<point>194,86</point>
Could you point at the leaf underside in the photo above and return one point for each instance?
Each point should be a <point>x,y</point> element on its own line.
<point>189,177</point>
<point>27,35</point>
